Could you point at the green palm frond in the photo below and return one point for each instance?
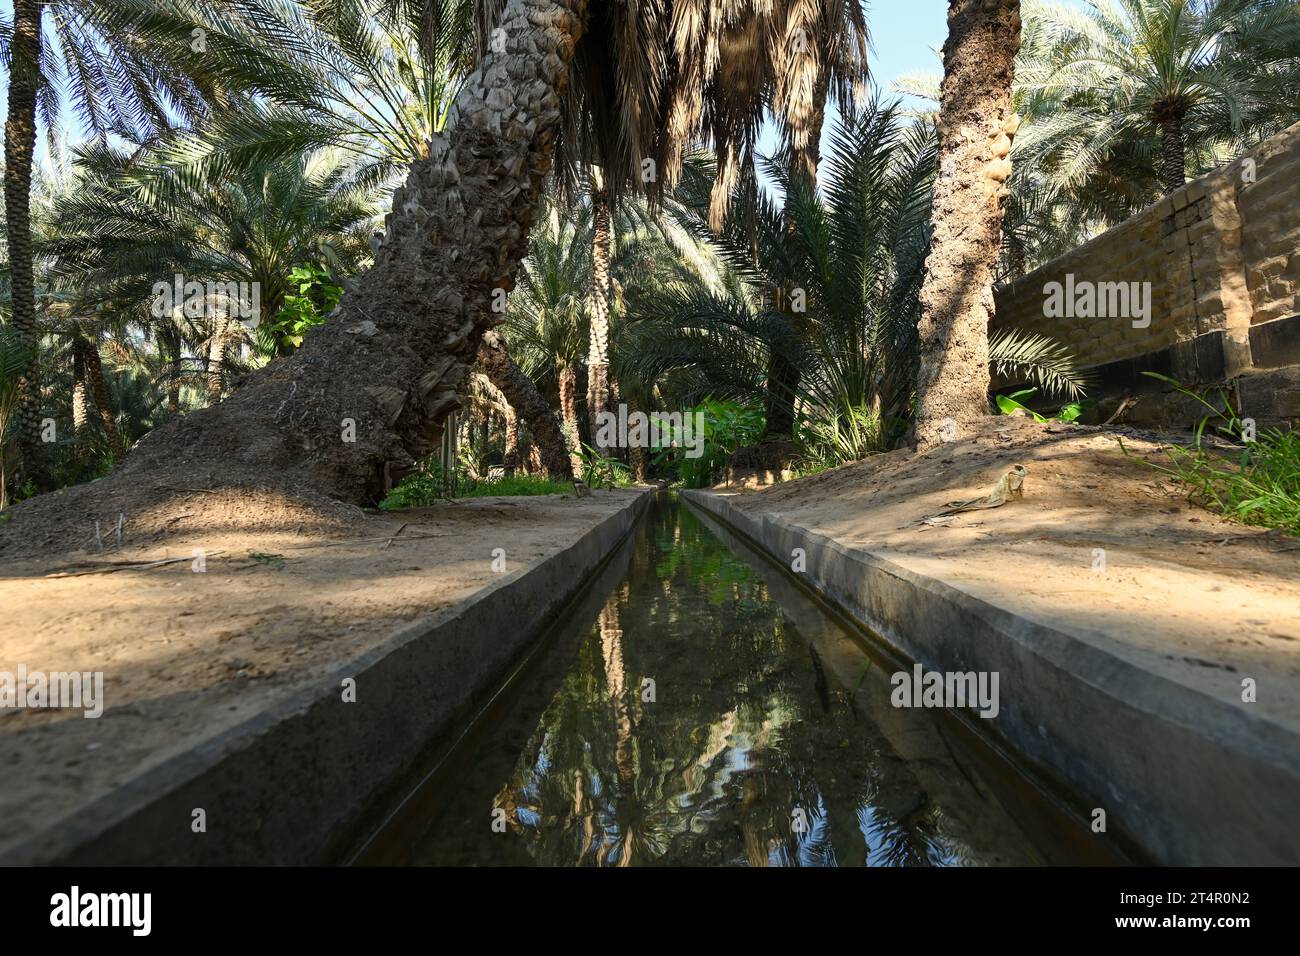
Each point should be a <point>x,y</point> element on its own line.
<point>1036,360</point>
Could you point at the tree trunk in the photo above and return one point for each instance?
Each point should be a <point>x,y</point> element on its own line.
<point>976,126</point>
<point>569,415</point>
<point>783,375</point>
<point>782,380</point>
<point>20,145</point>
<point>525,400</point>
<point>510,455</point>
<point>1174,152</point>
<point>170,341</point>
<point>217,360</point>
<point>636,455</point>
<point>602,248</point>
<point>80,396</point>
<point>99,389</point>
<point>355,408</point>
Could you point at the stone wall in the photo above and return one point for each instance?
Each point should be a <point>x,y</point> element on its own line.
<point>1222,256</point>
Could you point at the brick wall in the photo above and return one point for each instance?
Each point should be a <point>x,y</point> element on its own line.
<point>1222,255</point>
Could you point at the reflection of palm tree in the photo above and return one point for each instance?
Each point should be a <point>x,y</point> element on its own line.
<point>625,758</point>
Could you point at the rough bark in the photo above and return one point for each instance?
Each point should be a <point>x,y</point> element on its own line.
<point>526,401</point>
<point>602,250</point>
<point>20,144</point>
<point>99,390</point>
<point>510,455</point>
<point>569,415</point>
<point>80,394</point>
<point>217,361</point>
<point>171,343</point>
<point>976,127</point>
<point>353,410</point>
<point>1173,152</point>
<point>782,385</point>
<point>636,455</point>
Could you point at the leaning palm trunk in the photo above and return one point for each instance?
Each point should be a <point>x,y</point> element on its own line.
<point>976,126</point>
<point>365,397</point>
<point>524,399</point>
<point>20,144</point>
<point>602,247</point>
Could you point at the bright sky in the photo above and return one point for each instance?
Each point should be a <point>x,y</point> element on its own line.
<point>904,34</point>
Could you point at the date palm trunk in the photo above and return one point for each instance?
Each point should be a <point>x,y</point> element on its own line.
<point>364,399</point>
<point>20,146</point>
<point>783,373</point>
<point>602,249</point>
<point>525,401</point>
<point>170,342</point>
<point>976,127</point>
<point>99,391</point>
<point>569,415</point>
<point>217,360</point>
<point>1173,149</point>
<point>510,454</point>
<point>80,394</point>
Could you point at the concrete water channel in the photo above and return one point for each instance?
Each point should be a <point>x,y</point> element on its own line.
<point>698,705</point>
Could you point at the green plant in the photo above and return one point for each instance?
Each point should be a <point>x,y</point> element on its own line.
<point>1072,411</point>
<point>316,297</point>
<point>433,483</point>
<point>601,472</point>
<point>696,459</point>
<point>1260,487</point>
<point>828,439</point>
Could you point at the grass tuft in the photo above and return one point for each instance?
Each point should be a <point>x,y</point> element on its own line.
<point>1260,486</point>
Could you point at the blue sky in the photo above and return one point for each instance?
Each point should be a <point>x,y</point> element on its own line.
<point>904,32</point>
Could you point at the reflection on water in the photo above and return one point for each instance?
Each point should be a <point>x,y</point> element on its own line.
<point>692,722</point>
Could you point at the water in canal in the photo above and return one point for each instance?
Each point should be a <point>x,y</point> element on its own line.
<point>699,708</point>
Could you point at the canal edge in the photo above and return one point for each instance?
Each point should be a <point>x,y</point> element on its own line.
<point>299,773</point>
<point>1168,763</point>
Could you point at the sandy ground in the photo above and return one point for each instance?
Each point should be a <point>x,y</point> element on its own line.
<point>289,592</point>
<point>1183,592</point>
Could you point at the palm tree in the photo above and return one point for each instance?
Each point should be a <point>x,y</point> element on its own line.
<point>1156,80</point>
<point>857,251</point>
<point>129,222</point>
<point>525,400</point>
<point>976,126</point>
<point>20,144</point>
<point>373,79</point>
<point>119,83</point>
<point>14,361</point>
<point>547,320</point>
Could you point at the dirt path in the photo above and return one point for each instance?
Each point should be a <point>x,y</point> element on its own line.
<point>289,592</point>
<point>1194,597</point>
